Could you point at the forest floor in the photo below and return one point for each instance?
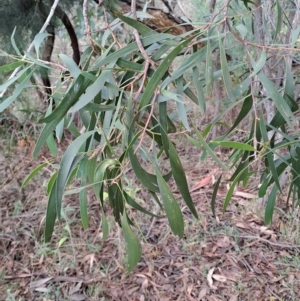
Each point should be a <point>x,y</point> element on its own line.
<point>231,256</point>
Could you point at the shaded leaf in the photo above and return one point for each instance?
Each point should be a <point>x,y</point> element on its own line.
<point>171,206</point>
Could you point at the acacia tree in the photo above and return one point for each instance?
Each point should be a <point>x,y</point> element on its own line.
<point>123,93</point>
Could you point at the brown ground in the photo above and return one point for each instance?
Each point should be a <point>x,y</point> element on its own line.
<point>230,257</point>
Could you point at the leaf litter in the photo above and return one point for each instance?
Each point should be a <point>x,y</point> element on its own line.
<point>232,256</point>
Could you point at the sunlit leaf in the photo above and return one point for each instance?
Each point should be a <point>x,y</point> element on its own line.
<point>235,145</point>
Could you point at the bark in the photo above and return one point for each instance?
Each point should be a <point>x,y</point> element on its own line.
<point>46,56</point>
<point>71,32</point>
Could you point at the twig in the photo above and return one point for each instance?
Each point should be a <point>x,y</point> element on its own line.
<point>148,121</point>
<point>87,26</point>
<point>107,24</point>
<point>148,60</point>
<point>52,10</point>
<point>271,243</point>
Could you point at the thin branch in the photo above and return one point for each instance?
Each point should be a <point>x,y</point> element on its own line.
<point>148,121</point>
<point>148,60</point>
<point>52,10</point>
<point>108,25</point>
<point>87,26</point>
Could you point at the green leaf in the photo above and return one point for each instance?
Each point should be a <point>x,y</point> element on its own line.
<point>12,66</point>
<point>149,40</point>
<point>62,241</point>
<point>10,81</point>
<point>231,189</point>
<point>51,213</point>
<point>130,201</point>
<point>171,207</point>
<point>141,28</point>
<point>38,40</point>
<point>180,179</point>
<point>52,145</point>
<point>162,106</point>
<point>147,179</point>
<point>270,205</point>
<point>67,165</point>
<point>246,108</point>
<point>83,193</point>
<point>242,29</point>
<point>187,64</point>
<point>279,101</point>
<point>278,20</point>
<point>225,72</point>
<point>12,39</point>
<point>93,89</point>
<point>235,145</point>
<point>51,183</point>
<point>133,246</point>
<point>37,62</point>
<point>180,104</point>
<point>102,167</point>
<point>33,173</point>
<point>18,90</point>
<point>214,195</point>
<point>72,96</point>
<point>198,86</point>
<point>269,154</point>
<point>71,65</point>
<point>209,70</point>
<point>59,113</point>
<point>207,148</point>
<point>159,73</point>
<point>260,63</point>
<point>105,228</point>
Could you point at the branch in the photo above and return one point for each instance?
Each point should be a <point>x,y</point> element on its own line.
<point>71,32</point>
<point>148,60</point>
<point>52,10</point>
<point>87,26</point>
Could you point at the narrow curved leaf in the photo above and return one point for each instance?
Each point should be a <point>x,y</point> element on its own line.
<point>83,193</point>
<point>235,145</point>
<point>209,70</point>
<point>271,205</point>
<point>160,72</point>
<point>225,71</point>
<point>33,173</point>
<point>12,66</point>
<point>279,101</point>
<point>214,195</point>
<point>269,153</point>
<point>133,246</point>
<point>260,63</point>
<point>51,213</point>
<point>130,201</point>
<point>180,179</point>
<point>71,65</point>
<point>171,206</point>
<point>38,40</point>
<point>67,165</point>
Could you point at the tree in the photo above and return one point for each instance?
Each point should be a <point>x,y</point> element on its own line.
<point>122,95</point>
